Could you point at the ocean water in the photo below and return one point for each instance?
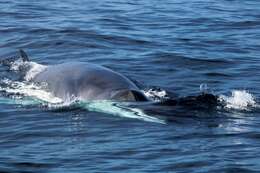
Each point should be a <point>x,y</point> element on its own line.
<point>177,50</point>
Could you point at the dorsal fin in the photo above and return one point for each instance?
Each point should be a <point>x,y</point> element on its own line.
<point>23,55</point>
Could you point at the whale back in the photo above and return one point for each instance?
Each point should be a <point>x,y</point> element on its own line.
<point>87,81</point>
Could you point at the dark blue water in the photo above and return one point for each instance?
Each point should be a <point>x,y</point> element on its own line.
<point>174,45</point>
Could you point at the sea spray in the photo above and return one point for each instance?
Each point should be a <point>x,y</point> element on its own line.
<point>240,99</point>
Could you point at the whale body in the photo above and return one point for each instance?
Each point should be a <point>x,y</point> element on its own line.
<point>80,80</point>
<point>87,81</point>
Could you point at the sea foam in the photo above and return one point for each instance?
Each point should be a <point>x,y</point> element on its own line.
<point>239,99</point>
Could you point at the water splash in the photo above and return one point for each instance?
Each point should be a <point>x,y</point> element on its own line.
<point>156,94</point>
<point>31,68</point>
<point>240,99</point>
<point>33,90</point>
<point>204,88</point>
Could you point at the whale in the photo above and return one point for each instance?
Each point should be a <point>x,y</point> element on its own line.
<point>84,81</point>
<point>87,81</point>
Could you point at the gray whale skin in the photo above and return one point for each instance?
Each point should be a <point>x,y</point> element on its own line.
<point>87,81</point>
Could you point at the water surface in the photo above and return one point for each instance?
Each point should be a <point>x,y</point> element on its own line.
<point>173,45</point>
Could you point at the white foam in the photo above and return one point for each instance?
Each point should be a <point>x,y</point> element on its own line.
<point>28,89</point>
<point>155,95</point>
<point>31,69</point>
<point>240,99</point>
<point>15,66</point>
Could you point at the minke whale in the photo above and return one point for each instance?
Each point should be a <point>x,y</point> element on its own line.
<point>84,81</point>
<point>87,81</point>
